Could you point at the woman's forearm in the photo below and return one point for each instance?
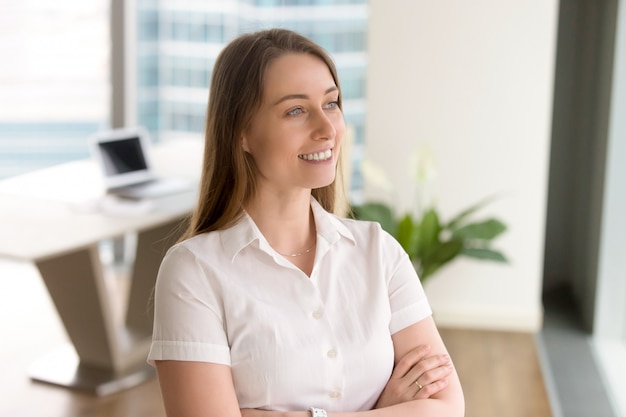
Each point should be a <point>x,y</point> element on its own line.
<point>416,408</point>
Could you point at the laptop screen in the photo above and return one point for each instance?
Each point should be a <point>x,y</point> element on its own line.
<point>122,156</point>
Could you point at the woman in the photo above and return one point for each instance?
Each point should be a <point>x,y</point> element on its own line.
<point>270,305</point>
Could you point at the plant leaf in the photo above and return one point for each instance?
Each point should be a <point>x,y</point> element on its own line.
<point>459,218</point>
<point>429,230</point>
<point>440,255</point>
<point>444,252</point>
<point>485,254</point>
<point>485,230</point>
<point>377,212</point>
<point>408,234</point>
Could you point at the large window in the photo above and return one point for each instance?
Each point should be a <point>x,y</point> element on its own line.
<point>54,81</point>
<point>177,44</point>
<point>55,84</point>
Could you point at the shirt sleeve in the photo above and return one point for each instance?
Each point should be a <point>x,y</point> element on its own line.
<point>407,298</point>
<point>188,323</point>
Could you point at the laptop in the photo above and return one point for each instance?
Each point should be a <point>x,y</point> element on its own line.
<point>123,156</point>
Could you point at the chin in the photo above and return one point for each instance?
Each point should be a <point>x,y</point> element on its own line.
<point>322,183</point>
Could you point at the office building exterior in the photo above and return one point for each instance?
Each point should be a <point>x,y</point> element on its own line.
<point>178,42</point>
<point>175,45</point>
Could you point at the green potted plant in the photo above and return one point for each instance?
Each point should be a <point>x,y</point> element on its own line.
<point>429,241</point>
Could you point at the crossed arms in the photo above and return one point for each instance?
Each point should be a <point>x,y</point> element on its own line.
<point>423,383</point>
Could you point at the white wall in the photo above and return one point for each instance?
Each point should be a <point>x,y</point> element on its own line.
<point>472,81</point>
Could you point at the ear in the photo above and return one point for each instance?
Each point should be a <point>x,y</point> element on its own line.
<point>244,144</point>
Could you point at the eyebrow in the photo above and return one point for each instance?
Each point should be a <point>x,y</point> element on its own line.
<point>302,96</point>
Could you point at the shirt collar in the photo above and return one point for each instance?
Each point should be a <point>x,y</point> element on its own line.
<point>328,226</point>
<point>246,232</point>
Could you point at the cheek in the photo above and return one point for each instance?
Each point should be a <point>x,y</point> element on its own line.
<point>266,153</point>
<point>257,143</point>
<point>340,129</point>
<point>262,158</point>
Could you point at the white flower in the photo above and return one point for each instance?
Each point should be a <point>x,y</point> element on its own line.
<point>422,165</point>
<point>375,175</point>
<point>422,170</point>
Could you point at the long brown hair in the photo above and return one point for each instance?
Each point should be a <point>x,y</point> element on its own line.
<point>228,173</point>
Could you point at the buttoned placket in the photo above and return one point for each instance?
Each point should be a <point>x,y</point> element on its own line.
<point>328,347</point>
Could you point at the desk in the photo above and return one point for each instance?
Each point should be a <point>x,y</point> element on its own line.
<point>51,218</point>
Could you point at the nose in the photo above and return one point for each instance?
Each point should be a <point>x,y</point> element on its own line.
<point>324,126</point>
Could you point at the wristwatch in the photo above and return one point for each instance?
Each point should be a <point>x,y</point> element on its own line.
<point>317,412</point>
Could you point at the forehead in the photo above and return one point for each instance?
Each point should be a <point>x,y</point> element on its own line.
<point>297,74</point>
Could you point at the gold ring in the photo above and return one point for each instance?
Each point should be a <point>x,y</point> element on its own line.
<point>418,385</point>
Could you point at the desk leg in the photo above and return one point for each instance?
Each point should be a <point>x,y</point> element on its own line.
<point>107,356</point>
<point>151,247</point>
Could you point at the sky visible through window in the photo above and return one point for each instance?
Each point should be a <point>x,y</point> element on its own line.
<point>54,80</point>
<point>55,60</point>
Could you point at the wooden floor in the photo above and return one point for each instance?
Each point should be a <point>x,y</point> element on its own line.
<point>499,371</point>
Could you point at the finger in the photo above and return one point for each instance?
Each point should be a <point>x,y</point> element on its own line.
<point>410,360</point>
<point>426,365</point>
<point>435,374</point>
<point>429,390</point>
<point>418,384</point>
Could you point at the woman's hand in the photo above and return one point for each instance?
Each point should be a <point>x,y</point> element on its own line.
<point>416,376</point>
<point>250,412</point>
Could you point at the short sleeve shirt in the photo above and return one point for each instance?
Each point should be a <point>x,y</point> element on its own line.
<point>291,340</point>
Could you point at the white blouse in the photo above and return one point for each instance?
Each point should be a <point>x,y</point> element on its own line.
<point>291,341</point>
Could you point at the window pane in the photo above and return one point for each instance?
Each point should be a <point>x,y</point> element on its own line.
<point>174,62</point>
<point>54,88</point>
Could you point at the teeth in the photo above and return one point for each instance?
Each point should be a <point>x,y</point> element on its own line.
<point>317,156</point>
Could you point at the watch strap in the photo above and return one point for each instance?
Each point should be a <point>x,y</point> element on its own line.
<point>317,412</point>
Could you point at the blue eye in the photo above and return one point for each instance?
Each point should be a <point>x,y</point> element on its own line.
<point>333,105</point>
<point>295,112</point>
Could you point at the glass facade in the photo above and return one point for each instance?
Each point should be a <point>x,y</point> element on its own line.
<point>178,41</point>
<point>54,81</point>
<point>26,146</point>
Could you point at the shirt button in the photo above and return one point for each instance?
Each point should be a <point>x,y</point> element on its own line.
<point>317,314</point>
<point>335,394</point>
<point>332,353</point>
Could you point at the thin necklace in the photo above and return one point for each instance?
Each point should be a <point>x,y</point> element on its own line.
<point>300,253</point>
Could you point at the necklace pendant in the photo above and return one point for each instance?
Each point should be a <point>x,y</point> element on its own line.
<point>293,255</point>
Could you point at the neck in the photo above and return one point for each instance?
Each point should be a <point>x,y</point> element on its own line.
<point>286,223</point>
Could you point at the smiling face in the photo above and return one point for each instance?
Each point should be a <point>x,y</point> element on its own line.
<point>295,135</point>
